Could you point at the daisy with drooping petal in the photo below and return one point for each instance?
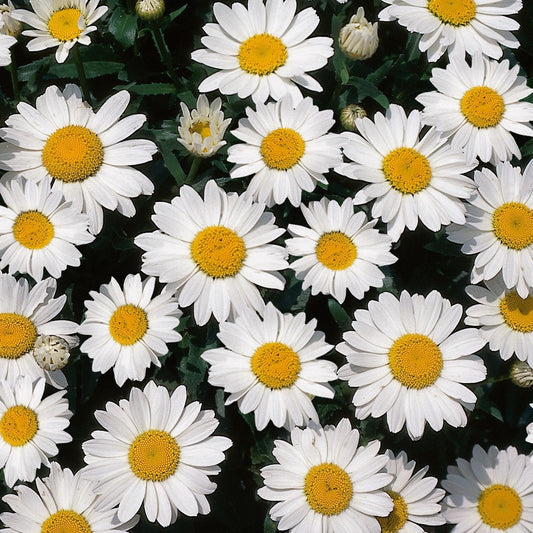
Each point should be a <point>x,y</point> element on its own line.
<point>491,492</point>
<point>26,313</point>
<point>479,106</point>
<point>84,152</point>
<point>270,366</point>
<point>288,149</point>
<point>412,176</point>
<point>325,481</point>
<point>405,361</point>
<point>340,250</point>
<point>415,498</point>
<point>64,502</point>
<point>39,230</point>
<point>155,450</point>
<point>128,327</point>
<point>499,227</point>
<point>6,42</point>
<point>217,253</point>
<point>263,50</point>
<point>30,427</point>
<point>457,26</point>
<point>61,23</point>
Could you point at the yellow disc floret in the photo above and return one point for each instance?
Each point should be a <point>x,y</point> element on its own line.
<point>415,361</point>
<point>276,365</point>
<point>17,335</point>
<point>397,517</point>
<point>335,250</point>
<point>282,148</point>
<point>201,127</point>
<point>453,12</point>
<point>66,521</point>
<point>482,106</point>
<point>512,224</point>
<point>262,54</point>
<point>73,153</point>
<point>33,230</point>
<point>154,455</point>
<point>517,312</point>
<point>500,506</point>
<point>63,25</point>
<point>128,324</point>
<point>407,170</point>
<point>18,425</point>
<point>328,489</point>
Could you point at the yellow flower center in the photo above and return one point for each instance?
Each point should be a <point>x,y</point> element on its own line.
<point>512,224</point>
<point>66,521</point>
<point>262,54</point>
<point>482,106</point>
<point>18,425</point>
<point>17,335</point>
<point>517,312</point>
<point>500,506</point>
<point>202,128</point>
<point>453,12</point>
<point>415,361</point>
<point>128,324</point>
<point>335,250</point>
<point>328,489</point>
<point>63,24</point>
<point>33,230</point>
<point>276,365</point>
<point>218,251</point>
<point>397,517</point>
<point>281,149</point>
<point>73,153</point>
<point>154,455</point>
<point>407,170</point>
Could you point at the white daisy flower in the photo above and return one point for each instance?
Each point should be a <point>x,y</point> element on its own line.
<point>325,481</point>
<point>288,149</point>
<point>129,328</point>
<point>61,23</point>
<point>499,227</point>
<point>529,430</point>
<point>415,498</point>
<point>491,492</point>
<point>156,450</point>
<point>412,175</point>
<point>217,254</point>
<point>270,366</point>
<point>505,319</point>
<point>406,362</point>
<point>30,427</point>
<point>457,26</point>
<point>63,502</point>
<point>340,250</point>
<point>84,152</point>
<point>6,42</point>
<point>479,106</point>
<point>39,230</point>
<point>24,315</point>
<point>262,50</point>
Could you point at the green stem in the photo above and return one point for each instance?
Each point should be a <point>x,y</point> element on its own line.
<point>81,75</point>
<point>14,80</point>
<point>194,169</point>
<point>164,52</point>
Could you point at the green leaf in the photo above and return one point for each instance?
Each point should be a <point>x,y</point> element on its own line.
<point>339,314</point>
<point>366,88</point>
<point>93,69</point>
<point>123,26</point>
<point>153,88</point>
<point>172,163</point>
<point>177,13</point>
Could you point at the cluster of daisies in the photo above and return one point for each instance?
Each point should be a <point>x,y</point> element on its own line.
<point>214,255</point>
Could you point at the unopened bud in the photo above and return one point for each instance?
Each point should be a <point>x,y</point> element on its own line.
<point>51,352</point>
<point>150,9</point>
<point>522,374</point>
<point>349,114</point>
<point>359,39</point>
<point>9,25</point>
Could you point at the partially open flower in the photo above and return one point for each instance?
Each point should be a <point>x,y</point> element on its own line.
<point>359,38</point>
<point>9,25</point>
<point>521,374</point>
<point>150,9</point>
<point>51,352</point>
<point>349,114</point>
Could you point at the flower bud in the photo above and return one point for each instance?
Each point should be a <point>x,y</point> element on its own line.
<point>9,25</point>
<point>359,39</point>
<point>150,9</point>
<point>521,374</point>
<point>349,114</point>
<point>51,352</point>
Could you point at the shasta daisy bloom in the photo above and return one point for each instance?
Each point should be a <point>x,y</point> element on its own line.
<point>30,427</point>
<point>6,42</point>
<point>262,50</point>
<point>457,26</point>
<point>287,150</point>
<point>405,361</point>
<point>499,227</point>
<point>326,481</point>
<point>26,313</point>
<point>340,250</point>
<point>85,153</point>
<point>128,327</point>
<point>479,106</point>
<point>61,23</point>
<point>155,450</point>
<point>39,230</point>
<point>412,174</point>
<point>491,492</point>
<point>270,366</point>
<point>217,254</point>
<point>63,502</point>
<point>415,498</point>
